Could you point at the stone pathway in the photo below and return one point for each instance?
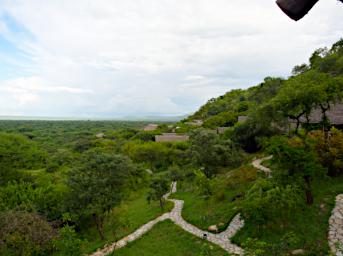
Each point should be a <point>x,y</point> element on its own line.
<point>335,235</point>
<point>257,164</point>
<point>221,239</point>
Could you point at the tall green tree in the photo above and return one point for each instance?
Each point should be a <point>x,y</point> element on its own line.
<point>296,162</point>
<point>98,185</point>
<point>210,152</point>
<point>151,153</point>
<point>158,188</point>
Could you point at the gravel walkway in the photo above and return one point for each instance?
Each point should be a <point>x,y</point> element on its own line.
<point>221,239</point>
<point>257,164</point>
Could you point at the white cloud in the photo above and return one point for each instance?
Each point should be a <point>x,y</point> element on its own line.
<point>24,98</point>
<point>37,84</point>
<point>116,57</point>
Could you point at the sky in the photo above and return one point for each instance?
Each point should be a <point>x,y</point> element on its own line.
<point>119,58</point>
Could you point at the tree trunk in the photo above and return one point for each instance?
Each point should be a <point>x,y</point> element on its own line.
<point>161,203</point>
<point>298,120</point>
<point>297,128</point>
<point>307,124</point>
<point>308,190</point>
<point>99,225</point>
<point>207,173</point>
<point>325,121</point>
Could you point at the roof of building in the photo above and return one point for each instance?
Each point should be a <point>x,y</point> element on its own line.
<point>242,118</point>
<point>170,137</point>
<point>335,115</point>
<point>150,127</point>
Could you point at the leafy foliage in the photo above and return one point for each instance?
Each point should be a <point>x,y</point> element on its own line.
<point>211,153</point>
<point>330,151</point>
<point>158,188</point>
<point>17,152</point>
<point>67,243</point>
<point>266,201</point>
<point>296,160</point>
<point>23,233</point>
<point>97,185</point>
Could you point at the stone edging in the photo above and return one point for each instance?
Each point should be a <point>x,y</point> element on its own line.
<point>335,235</point>
<point>221,239</point>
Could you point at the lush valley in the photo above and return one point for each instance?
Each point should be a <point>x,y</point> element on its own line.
<point>72,187</point>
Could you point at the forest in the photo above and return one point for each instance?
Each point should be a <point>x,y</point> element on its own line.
<point>73,187</point>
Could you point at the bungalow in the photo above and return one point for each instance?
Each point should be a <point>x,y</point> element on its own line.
<point>171,137</point>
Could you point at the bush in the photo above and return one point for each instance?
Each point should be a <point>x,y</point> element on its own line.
<point>24,233</point>
<point>330,151</point>
<point>203,183</point>
<point>267,201</point>
<point>67,243</point>
<point>296,162</point>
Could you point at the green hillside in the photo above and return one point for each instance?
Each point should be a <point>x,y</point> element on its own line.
<point>264,185</point>
<point>316,85</point>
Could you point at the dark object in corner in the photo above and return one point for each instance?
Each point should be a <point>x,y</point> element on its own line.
<point>296,9</point>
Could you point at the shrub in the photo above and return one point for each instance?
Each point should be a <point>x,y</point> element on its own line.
<point>24,233</point>
<point>330,151</point>
<point>267,201</point>
<point>67,243</point>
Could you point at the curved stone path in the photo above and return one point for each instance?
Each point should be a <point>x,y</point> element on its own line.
<point>335,234</point>
<point>257,164</point>
<point>221,239</point>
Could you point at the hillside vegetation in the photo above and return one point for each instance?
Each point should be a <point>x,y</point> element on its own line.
<point>72,187</point>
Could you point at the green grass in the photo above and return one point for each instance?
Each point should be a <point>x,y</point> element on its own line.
<point>308,223</point>
<point>167,239</point>
<point>123,220</point>
<point>218,208</point>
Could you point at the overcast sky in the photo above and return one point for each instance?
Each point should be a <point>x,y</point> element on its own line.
<point>112,58</point>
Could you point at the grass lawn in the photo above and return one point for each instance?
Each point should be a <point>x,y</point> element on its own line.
<point>219,207</point>
<point>309,224</point>
<point>123,220</point>
<point>167,239</point>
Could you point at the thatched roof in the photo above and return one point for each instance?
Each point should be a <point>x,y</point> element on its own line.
<point>335,115</point>
<point>296,9</point>
<point>150,127</point>
<point>171,137</point>
<point>242,119</point>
